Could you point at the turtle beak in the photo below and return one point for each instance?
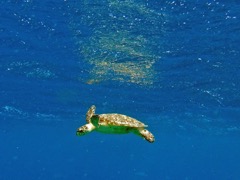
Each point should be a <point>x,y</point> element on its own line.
<point>79,132</point>
<point>84,129</point>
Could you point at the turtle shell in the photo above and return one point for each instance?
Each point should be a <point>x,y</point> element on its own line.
<point>119,120</point>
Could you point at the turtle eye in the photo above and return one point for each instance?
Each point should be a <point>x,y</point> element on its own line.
<point>79,132</point>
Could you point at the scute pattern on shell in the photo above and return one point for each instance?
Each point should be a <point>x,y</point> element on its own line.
<point>119,120</point>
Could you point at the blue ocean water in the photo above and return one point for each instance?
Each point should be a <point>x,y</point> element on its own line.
<point>173,65</point>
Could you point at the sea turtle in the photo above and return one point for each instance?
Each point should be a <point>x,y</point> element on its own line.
<point>113,124</point>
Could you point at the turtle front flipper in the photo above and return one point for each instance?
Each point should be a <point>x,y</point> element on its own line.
<point>90,113</point>
<point>145,134</point>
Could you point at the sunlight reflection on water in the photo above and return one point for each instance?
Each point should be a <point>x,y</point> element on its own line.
<point>120,47</point>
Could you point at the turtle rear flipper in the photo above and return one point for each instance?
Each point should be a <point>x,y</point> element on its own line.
<point>145,134</point>
<point>90,113</point>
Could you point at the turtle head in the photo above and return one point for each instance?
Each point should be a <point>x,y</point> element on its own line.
<point>85,129</point>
